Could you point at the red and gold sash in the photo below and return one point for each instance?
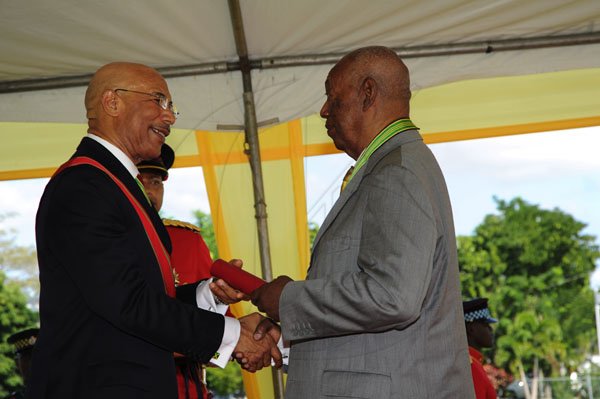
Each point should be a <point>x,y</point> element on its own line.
<point>157,246</point>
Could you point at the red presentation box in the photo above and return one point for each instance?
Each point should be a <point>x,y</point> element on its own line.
<point>236,277</point>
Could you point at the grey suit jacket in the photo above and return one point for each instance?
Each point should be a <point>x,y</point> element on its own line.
<point>379,315</point>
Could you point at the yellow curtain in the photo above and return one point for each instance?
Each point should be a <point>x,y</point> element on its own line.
<point>455,111</point>
<point>230,193</point>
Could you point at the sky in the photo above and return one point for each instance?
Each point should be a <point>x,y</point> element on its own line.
<point>553,170</point>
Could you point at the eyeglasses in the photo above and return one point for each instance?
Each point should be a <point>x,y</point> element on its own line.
<point>159,98</point>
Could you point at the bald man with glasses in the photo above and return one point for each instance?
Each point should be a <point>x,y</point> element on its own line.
<point>111,317</point>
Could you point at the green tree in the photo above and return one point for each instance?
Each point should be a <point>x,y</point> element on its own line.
<point>228,380</point>
<point>15,316</point>
<point>204,221</point>
<point>313,229</point>
<point>534,265</point>
<point>19,263</point>
<point>225,381</point>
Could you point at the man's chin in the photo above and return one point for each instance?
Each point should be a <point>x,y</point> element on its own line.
<point>157,137</point>
<point>150,153</point>
<point>340,146</point>
<point>157,143</point>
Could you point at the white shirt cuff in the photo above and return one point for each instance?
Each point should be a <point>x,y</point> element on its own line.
<point>284,348</point>
<point>206,300</point>
<point>231,336</point>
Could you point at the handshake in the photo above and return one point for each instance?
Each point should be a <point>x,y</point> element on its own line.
<point>257,346</point>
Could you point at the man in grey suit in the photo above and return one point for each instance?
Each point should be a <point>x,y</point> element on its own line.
<point>379,315</point>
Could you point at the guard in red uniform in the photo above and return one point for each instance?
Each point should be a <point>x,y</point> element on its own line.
<point>479,335</point>
<point>190,259</point>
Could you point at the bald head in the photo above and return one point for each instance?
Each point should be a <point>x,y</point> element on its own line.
<point>366,90</point>
<point>112,76</point>
<point>125,105</point>
<point>387,70</point>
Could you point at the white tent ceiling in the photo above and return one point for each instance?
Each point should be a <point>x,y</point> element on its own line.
<point>40,39</point>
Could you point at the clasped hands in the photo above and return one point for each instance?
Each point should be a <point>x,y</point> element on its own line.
<point>259,335</point>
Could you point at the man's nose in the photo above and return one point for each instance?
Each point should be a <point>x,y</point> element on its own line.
<point>324,110</point>
<point>168,116</point>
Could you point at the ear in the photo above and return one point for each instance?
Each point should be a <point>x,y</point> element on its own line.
<point>110,103</point>
<point>370,91</point>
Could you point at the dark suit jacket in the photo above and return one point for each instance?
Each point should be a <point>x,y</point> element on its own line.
<point>108,329</point>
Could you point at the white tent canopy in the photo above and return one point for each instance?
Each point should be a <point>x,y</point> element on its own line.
<point>73,37</point>
<point>551,48</point>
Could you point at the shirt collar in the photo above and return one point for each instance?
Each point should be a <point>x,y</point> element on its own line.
<point>116,151</point>
<point>397,126</point>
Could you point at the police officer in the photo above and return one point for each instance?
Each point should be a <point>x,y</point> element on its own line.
<point>479,335</point>
<point>23,342</point>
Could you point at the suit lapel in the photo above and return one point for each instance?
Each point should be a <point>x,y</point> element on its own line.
<point>354,184</point>
<point>96,151</point>
<point>339,204</point>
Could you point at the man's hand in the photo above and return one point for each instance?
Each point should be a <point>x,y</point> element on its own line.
<point>224,292</point>
<point>266,298</point>
<point>267,326</point>
<point>255,354</point>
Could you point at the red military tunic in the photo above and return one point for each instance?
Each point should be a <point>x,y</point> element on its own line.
<point>483,386</point>
<point>190,256</point>
<point>191,260</point>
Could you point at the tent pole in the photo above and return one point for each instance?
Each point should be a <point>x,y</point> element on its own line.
<point>253,151</point>
<point>422,51</point>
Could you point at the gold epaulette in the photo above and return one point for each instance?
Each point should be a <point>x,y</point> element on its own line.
<point>183,225</point>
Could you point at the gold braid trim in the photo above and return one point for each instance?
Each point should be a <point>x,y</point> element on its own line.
<point>183,225</point>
